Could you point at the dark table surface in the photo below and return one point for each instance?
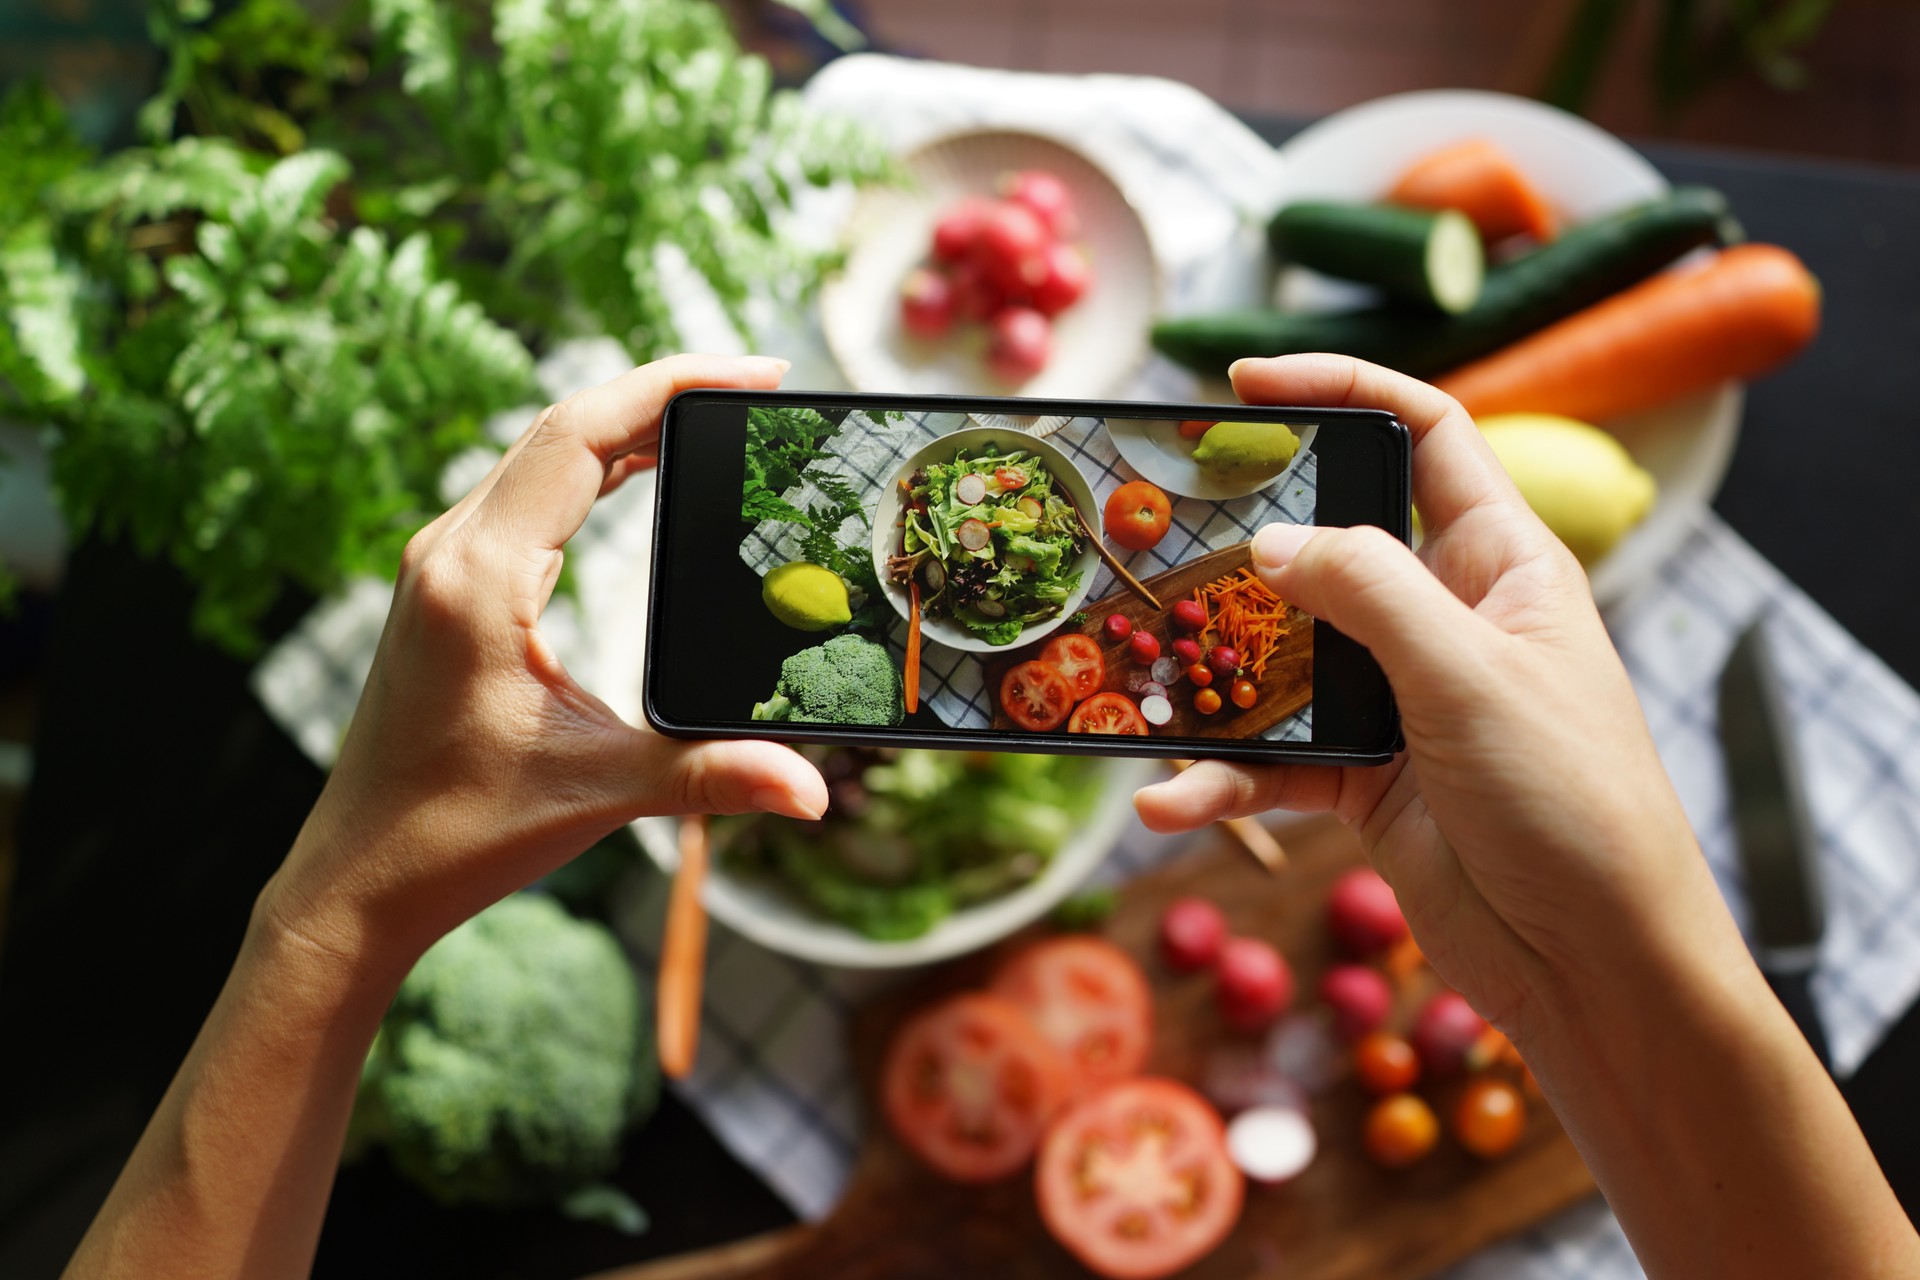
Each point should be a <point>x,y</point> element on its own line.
<point>163,796</point>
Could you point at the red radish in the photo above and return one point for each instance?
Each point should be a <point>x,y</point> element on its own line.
<point>1047,196</point>
<point>1067,279</point>
<point>958,230</point>
<point>1445,1033</point>
<point>1363,914</point>
<point>1359,997</point>
<point>1190,615</point>
<point>927,303</point>
<point>1118,627</point>
<point>1012,247</point>
<point>1157,709</point>
<point>1239,1077</point>
<point>1144,647</point>
<point>1302,1048</point>
<point>975,296</point>
<point>1224,660</point>
<point>1152,688</point>
<point>1020,344</point>
<point>1271,1144</point>
<point>1165,670</point>
<point>1192,931</point>
<point>1256,986</point>
<point>1186,650</point>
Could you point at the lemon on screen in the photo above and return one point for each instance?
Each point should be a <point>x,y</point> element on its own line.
<point>806,596</point>
<point>1243,452</point>
<point>1576,477</point>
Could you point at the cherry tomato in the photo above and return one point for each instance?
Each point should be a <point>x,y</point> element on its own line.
<point>975,296</point>
<point>1192,931</point>
<point>1089,1000</point>
<point>1118,627</point>
<point>1244,694</point>
<point>1385,1063</point>
<point>1018,344</point>
<point>1078,659</point>
<point>969,1085</point>
<point>1136,1181</point>
<point>1201,675</point>
<point>1256,984</point>
<point>1108,713</point>
<point>1047,196</point>
<point>1138,514</point>
<point>1207,701</point>
<point>1010,477</point>
<point>1189,615</point>
<point>1143,647</point>
<point>1036,696</point>
<point>1490,1118</point>
<point>1012,247</point>
<point>1193,429</point>
<point>1400,1130</point>
<point>958,230</point>
<point>1066,280</point>
<point>926,303</point>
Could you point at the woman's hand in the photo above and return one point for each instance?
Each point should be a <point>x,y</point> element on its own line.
<point>474,763</point>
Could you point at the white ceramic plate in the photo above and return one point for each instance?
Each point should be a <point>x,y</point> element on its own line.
<point>1155,448</point>
<point>1584,171</point>
<point>886,530</point>
<point>1098,343</point>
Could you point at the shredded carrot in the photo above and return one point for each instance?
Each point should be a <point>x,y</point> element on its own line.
<point>1243,615</point>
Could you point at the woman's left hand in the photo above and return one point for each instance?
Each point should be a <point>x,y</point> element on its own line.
<point>475,763</point>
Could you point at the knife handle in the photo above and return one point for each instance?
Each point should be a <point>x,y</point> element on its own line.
<point>1795,989</point>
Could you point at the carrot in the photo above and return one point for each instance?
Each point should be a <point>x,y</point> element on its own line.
<point>1680,332</point>
<point>1245,616</point>
<point>1481,181</point>
<point>913,645</point>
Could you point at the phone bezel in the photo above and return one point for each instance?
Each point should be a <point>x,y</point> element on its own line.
<point>1255,750</point>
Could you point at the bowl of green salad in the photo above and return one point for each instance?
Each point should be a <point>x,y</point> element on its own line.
<point>983,520</point>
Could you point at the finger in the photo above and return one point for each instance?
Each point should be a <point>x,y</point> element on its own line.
<point>620,470</point>
<point>543,496</point>
<point>1214,790</point>
<point>1453,469</point>
<point>666,776</point>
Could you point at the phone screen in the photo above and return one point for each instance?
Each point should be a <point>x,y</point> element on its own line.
<point>1078,574</point>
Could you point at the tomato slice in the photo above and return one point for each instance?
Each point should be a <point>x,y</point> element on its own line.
<point>1078,659</point>
<point>1090,1000</point>
<point>1036,696</point>
<point>1108,713</point>
<point>969,1086</point>
<point>1010,477</point>
<point>1136,1181</point>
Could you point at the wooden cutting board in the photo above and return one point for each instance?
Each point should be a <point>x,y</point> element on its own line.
<point>1286,686</point>
<point>1344,1219</point>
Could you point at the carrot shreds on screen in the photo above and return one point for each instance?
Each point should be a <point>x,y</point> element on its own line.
<point>1244,615</point>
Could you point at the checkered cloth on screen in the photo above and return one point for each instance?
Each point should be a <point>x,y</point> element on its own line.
<point>951,679</point>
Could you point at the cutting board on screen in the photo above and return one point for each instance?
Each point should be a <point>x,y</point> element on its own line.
<point>1285,687</point>
<point>1344,1219</point>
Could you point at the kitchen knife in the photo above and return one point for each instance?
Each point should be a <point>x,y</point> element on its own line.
<point>1771,826</point>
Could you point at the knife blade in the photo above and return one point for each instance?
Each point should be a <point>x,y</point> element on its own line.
<point>1772,828</point>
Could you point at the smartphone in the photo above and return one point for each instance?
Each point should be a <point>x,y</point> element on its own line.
<point>802,540</point>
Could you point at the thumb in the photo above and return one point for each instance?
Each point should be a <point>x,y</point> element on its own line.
<point>1370,586</point>
<point>665,776</point>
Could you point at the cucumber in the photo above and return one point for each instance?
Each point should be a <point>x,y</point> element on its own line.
<point>1433,259</point>
<point>1589,262</point>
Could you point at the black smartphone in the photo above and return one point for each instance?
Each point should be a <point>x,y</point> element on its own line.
<point>1010,574</point>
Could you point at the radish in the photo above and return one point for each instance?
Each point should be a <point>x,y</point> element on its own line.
<point>1192,931</point>
<point>1256,984</point>
<point>1271,1144</point>
<point>1157,709</point>
<point>1445,1033</point>
<point>1240,1078</point>
<point>1303,1048</point>
<point>1186,651</point>
<point>1165,671</point>
<point>1359,998</point>
<point>1363,914</point>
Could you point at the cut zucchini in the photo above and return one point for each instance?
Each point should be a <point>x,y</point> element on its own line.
<point>1433,259</point>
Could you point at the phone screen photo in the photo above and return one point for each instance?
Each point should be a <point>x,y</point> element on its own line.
<point>1010,574</point>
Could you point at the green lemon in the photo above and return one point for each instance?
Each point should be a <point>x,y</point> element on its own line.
<point>806,596</point>
<point>1243,452</point>
<point>1577,478</point>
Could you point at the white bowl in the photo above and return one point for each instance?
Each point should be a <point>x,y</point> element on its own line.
<point>783,923</point>
<point>1584,171</point>
<point>886,531</point>
<point>1155,448</point>
<point>1098,343</point>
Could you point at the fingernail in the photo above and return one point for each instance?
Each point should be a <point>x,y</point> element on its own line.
<point>783,802</point>
<point>1275,546</point>
<point>784,363</point>
<point>1233,370</point>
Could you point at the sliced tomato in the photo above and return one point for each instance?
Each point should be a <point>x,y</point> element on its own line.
<point>1078,659</point>
<point>969,1086</point>
<point>1136,1181</point>
<point>1036,696</point>
<point>1108,713</point>
<point>1090,1000</point>
<point>1010,477</point>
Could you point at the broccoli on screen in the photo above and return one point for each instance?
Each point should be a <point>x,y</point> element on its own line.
<point>847,680</point>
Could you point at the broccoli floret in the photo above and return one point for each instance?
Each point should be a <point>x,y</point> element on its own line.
<point>847,680</point>
<point>512,1062</point>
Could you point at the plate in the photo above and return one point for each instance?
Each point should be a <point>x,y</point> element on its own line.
<point>1098,343</point>
<point>1154,448</point>
<point>886,518</point>
<point>1584,170</point>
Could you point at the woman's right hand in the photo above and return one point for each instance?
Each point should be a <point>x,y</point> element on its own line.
<point>1529,830</point>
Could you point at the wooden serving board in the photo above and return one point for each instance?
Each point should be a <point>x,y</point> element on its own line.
<point>1344,1219</point>
<point>1286,687</point>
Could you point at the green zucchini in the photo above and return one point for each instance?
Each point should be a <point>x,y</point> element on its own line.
<point>1587,263</point>
<point>1429,258</point>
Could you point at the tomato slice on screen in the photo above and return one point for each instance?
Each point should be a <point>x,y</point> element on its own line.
<point>1136,1181</point>
<point>1090,1000</point>
<point>1108,713</point>
<point>1078,659</point>
<point>1036,696</point>
<point>969,1086</point>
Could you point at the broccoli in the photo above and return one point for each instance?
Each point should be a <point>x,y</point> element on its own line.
<point>847,680</point>
<point>511,1064</point>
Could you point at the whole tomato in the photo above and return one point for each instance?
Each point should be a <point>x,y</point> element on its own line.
<point>1138,514</point>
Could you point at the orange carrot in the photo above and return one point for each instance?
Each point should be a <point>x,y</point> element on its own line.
<point>1481,181</point>
<point>913,646</point>
<point>1680,332</point>
<point>1245,616</point>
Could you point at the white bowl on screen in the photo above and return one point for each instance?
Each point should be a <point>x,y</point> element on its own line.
<point>1155,448</point>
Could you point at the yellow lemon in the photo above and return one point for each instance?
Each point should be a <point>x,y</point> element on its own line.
<point>1576,477</point>
<point>806,596</point>
<point>1243,452</point>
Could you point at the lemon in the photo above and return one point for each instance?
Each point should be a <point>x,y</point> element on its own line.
<point>1243,452</point>
<point>1576,477</point>
<point>806,596</point>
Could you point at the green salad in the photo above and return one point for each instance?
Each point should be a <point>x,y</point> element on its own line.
<point>911,836</point>
<point>992,539</point>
